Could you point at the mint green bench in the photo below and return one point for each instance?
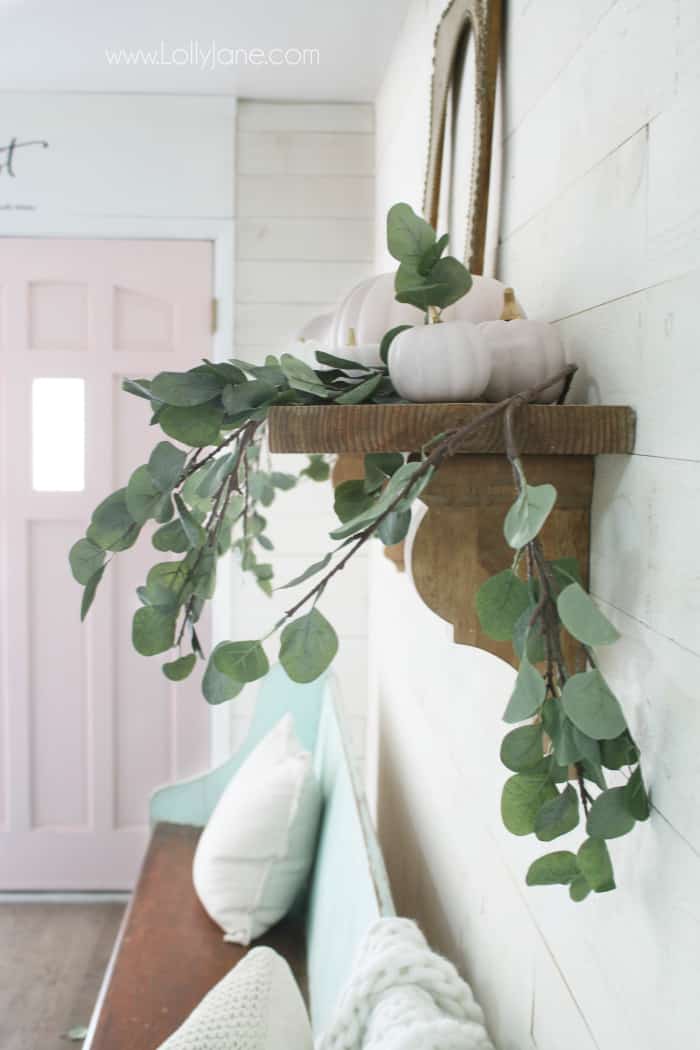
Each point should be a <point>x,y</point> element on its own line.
<point>169,953</point>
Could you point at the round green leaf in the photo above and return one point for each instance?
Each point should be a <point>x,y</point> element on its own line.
<point>592,707</point>
<point>609,816</point>
<point>528,514</point>
<point>408,235</point>
<point>179,669</point>
<point>86,559</point>
<point>186,389</point>
<point>242,661</point>
<point>619,752</point>
<point>500,602</point>
<point>217,687</point>
<point>196,426</point>
<point>394,527</point>
<point>153,630</point>
<point>171,537</point>
<point>529,693</point>
<point>636,797</point>
<point>558,868</point>
<point>521,749</point>
<point>351,499</point>
<point>308,646</point>
<point>595,864</point>
<point>523,797</point>
<point>143,499</point>
<point>579,889</point>
<point>112,527</point>
<point>166,464</point>
<point>582,617</point>
<point>557,816</point>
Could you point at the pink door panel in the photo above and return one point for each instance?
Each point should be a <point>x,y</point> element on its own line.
<point>87,727</point>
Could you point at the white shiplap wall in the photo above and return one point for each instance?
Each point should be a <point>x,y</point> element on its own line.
<point>304,229</point>
<point>601,234</point>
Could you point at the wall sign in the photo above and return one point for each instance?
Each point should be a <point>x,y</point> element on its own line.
<point>9,154</point>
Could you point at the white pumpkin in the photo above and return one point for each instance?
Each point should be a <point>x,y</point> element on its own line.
<point>317,330</point>
<point>523,353</point>
<point>369,311</point>
<point>483,302</point>
<point>440,362</point>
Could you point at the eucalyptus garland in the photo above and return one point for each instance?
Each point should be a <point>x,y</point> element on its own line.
<point>208,495</point>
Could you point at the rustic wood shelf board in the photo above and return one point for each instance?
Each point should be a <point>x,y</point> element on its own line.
<point>562,430</point>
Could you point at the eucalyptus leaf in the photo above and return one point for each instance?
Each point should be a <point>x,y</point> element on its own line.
<point>343,363</point>
<point>351,499</point>
<point>283,481</point>
<point>557,816</point>
<point>90,592</point>
<point>112,527</point>
<point>408,235</point>
<point>521,749</point>
<point>301,377</point>
<point>582,617</point>
<point>559,868</point>
<point>247,396</point>
<point>528,514</point>
<point>579,889</point>
<point>153,631</point>
<point>195,533</point>
<point>166,464</point>
<point>596,866</point>
<point>242,661</point>
<point>522,798</point>
<point>186,389</point>
<point>500,602</point>
<point>394,528</point>
<point>217,687</point>
<point>431,254</point>
<point>308,646</point>
<point>170,537</point>
<point>528,694</point>
<point>592,707</point>
<point>142,497</point>
<point>636,798</point>
<point>197,426</point>
<point>618,752</point>
<point>86,558</point>
<point>178,670</point>
<point>609,816</point>
<point>312,570</point>
<point>318,468</point>
<point>361,392</point>
<point>453,280</point>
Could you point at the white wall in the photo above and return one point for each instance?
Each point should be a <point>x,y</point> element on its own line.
<point>600,234</point>
<point>305,207</point>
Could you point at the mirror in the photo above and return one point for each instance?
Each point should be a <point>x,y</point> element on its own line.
<point>465,71</point>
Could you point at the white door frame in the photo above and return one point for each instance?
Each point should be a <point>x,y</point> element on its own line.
<point>221,233</point>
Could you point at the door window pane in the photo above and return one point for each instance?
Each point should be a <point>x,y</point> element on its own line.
<point>58,435</point>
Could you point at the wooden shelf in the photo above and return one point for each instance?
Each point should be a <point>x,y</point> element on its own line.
<point>551,430</point>
<point>459,542</point>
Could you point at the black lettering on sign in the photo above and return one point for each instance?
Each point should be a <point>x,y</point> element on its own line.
<point>8,154</point>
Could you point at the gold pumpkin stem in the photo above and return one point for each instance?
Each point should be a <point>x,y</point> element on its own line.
<point>352,338</point>
<point>511,310</point>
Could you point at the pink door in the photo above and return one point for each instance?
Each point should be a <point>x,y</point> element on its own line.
<point>87,727</point>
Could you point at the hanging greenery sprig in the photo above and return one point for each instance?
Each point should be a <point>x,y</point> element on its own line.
<point>207,496</point>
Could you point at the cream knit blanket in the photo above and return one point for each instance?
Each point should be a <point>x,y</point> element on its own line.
<point>402,996</point>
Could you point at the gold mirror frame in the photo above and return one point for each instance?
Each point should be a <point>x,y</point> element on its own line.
<point>482,20</point>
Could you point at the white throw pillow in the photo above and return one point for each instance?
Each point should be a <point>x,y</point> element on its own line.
<point>255,854</point>
<point>257,1006</point>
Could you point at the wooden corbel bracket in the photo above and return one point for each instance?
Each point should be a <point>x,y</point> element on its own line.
<point>460,541</point>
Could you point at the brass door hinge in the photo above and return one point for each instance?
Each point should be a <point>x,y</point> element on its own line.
<point>214,315</point>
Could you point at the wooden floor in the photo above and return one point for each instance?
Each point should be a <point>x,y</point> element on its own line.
<point>52,958</point>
